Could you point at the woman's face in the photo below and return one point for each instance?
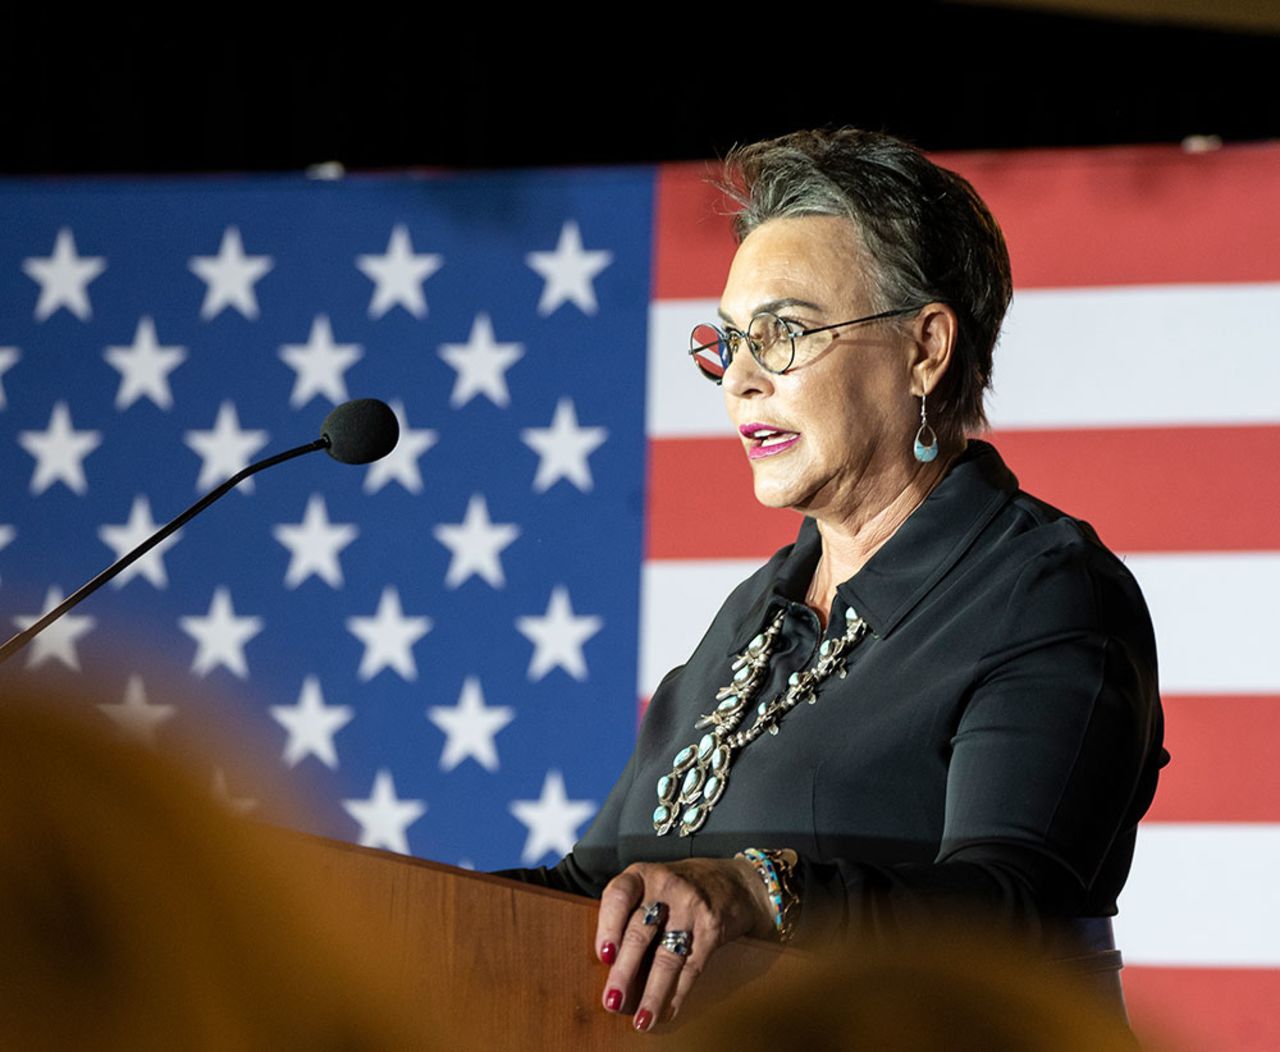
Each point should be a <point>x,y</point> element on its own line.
<point>831,437</point>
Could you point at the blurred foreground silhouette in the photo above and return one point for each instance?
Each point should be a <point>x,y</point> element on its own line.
<point>137,913</point>
<point>943,990</point>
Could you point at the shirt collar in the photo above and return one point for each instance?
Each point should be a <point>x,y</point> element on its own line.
<point>918,555</point>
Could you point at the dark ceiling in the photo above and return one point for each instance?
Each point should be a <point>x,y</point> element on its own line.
<point>128,95</point>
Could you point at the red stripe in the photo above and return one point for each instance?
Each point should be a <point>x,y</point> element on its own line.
<point>693,242</point>
<point>1150,489</point>
<point>1223,765</point>
<point>1224,1009</point>
<point>1134,215</point>
<point>1158,489</point>
<point>701,504</point>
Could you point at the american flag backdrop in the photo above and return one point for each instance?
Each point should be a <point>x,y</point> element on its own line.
<point>445,649</point>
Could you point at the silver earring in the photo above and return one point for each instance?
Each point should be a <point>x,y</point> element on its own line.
<point>926,444</point>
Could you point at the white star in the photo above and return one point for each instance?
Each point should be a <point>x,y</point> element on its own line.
<point>482,365</point>
<point>122,539</point>
<point>59,451</point>
<point>476,544</point>
<point>383,816</point>
<point>220,636</point>
<point>135,716</point>
<point>58,641</point>
<point>401,464</point>
<point>222,794</point>
<point>470,727</point>
<point>145,367</point>
<point>8,359</point>
<point>557,637</point>
<point>388,637</point>
<point>224,450</point>
<point>314,544</point>
<point>563,448</point>
<point>64,277</point>
<point>311,725</point>
<point>7,533</point>
<point>567,272</point>
<point>230,277</point>
<point>321,365</point>
<point>399,275</point>
<point>552,820</point>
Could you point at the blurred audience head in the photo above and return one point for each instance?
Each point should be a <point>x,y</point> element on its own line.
<point>940,991</point>
<point>138,913</point>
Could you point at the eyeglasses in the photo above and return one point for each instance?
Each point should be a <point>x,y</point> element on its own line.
<point>771,340</point>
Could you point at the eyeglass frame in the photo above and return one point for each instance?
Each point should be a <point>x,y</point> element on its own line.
<point>728,333</point>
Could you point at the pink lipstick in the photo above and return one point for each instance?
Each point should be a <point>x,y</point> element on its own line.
<point>766,441</point>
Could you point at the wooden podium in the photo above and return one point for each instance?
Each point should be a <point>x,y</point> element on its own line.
<point>502,965</point>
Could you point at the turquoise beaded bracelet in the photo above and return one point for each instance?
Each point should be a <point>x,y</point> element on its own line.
<point>777,870</point>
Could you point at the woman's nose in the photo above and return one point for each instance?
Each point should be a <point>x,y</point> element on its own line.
<point>745,377</point>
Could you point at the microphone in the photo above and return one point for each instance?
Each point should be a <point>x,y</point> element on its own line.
<point>356,432</point>
<point>360,431</point>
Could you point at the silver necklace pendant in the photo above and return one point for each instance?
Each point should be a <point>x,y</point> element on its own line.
<point>700,771</point>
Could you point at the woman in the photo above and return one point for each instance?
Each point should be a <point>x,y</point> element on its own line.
<point>957,681</point>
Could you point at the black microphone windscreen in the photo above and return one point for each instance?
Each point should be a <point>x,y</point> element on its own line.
<point>360,431</point>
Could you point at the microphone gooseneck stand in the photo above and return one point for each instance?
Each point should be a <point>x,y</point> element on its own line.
<point>355,432</point>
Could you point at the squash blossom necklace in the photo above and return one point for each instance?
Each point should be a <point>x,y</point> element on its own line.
<point>700,772</point>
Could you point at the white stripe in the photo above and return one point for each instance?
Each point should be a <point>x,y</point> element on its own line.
<point>1202,894</point>
<point>1121,356</point>
<point>1154,356</point>
<point>1213,613</point>
<point>678,600</point>
<point>678,401</point>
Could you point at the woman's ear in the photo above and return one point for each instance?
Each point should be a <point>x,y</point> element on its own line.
<point>935,329</point>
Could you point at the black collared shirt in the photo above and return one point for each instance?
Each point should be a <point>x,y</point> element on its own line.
<point>996,739</point>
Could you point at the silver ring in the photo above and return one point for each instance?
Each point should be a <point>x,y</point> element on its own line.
<point>653,913</point>
<point>678,942</point>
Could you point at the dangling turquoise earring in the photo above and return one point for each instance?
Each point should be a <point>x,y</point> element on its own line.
<point>926,444</point>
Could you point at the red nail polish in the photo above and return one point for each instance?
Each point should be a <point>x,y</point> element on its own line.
<point>644,1019</point>
<point>608,952</point>
<point>613,1000</point>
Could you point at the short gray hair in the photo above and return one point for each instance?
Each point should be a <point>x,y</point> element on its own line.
<point>927,235</point>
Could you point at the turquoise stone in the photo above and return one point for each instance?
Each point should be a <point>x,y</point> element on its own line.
<point>692,782</point>
<point>720,758</point>
<point>661,814</point>
<point>705,746</point>
<point>731,702</point>
<point>764,705</point>
<point>756,644</point>
<point>741,674</point>
<point>924,453</point>
<point>851,615</point>
<point>793,679</point>
<point>825,649</point>
<point>691,814</point>
<point>683,756</point>
<point>711,790</point>
<point>665,784</point>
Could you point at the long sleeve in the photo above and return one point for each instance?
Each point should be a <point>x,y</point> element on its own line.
<point>1052,762</point>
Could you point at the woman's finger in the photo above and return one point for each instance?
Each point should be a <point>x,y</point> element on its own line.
<point>618,901</point>
<point>670,958</point>
<point>622,988</point>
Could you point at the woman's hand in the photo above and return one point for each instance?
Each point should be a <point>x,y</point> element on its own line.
<point>714,900</point>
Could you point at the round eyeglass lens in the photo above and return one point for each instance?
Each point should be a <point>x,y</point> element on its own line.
<point>771,339</point>
<point>708,350</point>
